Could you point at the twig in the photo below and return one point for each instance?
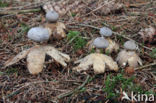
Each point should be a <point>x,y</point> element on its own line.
<point>29,5</point>
<point>142,67</point>
<point>86,25</point>
<point>11,12</point>
<point>153,75</point>
<point>26,85</point>
<point>116,33</point>
<point>2,92</point>
<point>140,4</point>
<point>78,88</point>
<point>96,9</point>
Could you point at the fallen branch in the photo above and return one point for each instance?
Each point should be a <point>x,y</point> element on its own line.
<point>26,6</point>
<point>26,85</point>
<point>75,90</point>
<point>11,12</point>
<point>141,4</point>
<point>145,66</point>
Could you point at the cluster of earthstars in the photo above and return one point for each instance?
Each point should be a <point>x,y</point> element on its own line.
<point>126,57</point>
<point>100,62</point>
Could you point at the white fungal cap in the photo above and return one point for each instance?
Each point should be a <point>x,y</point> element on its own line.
<point>104,31</point>
<point>130,45</point>
<point>38,34</point>
<point>100,42</point>
<point>52,16</point>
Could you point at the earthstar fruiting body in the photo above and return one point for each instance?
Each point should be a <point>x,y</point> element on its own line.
<point>100,42</point>
<point>106,44</point>
<point>130,45</point>
<point>112,47</point>
<point>129,56</point>
<point>99,62</point>
<point>36,58</point>
<point>52,16</point>
<point>106,32</point>
<point>148,34</point>
<point>39,34</point>
<point>42,34</point>
<point>57,29</point>
<point>17,58</point>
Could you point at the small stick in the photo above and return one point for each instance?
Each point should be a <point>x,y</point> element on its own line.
<point>29,5</point>
<point>142,67</point>
<point>26,85</point>
<point>140,4</point>
<point>12,12</point>
<point>78,88</point>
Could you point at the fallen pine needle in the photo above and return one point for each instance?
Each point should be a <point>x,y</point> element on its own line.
<point>78,88</point>
<point>26,85</point>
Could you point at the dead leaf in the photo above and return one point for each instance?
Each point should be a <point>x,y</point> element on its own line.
<point>98,61</point>
<point>129,70</point>
<point>79,52</point>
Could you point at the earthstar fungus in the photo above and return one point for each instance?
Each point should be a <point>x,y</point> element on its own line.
<point>36,58</point>
<point>128,55</point>
<point>99,62</point>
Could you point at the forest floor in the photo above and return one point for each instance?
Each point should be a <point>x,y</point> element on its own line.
<point>58,84</point>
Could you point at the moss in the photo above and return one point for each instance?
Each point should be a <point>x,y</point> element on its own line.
<point>3,4</point>
<point>113,83</point>
<point>153,53</point>
<point>76,40</point>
